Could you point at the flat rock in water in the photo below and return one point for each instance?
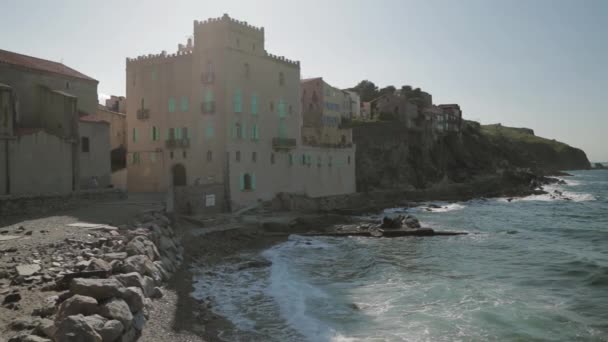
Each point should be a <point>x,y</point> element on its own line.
<point>27,270</point>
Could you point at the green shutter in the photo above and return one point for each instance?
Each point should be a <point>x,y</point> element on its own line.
<point>253,181</point>
<point>184,104</point>
<point>171,105</point>
<point>242,182</point>
<point>254,104</point>
<point>134,134</point>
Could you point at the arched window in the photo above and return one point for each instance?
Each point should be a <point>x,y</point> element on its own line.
<point>281,78</point>
<point>209,156</point>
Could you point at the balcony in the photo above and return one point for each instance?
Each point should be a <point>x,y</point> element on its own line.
<point>283,143</point>
<point>177,143</point>
<point>208,77</point>
<point>208,107</point>
<point>143,114</point>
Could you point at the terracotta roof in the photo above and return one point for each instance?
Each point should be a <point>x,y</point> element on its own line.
<point>34,63</point>
<point>92,118</point>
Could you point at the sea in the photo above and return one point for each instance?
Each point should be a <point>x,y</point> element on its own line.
<point>531,269</point>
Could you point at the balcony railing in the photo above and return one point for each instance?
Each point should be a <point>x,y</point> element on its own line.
<point>143,114</point>
<point>283,143</point>
<point>208,107</point>
<point>329,145</point>
<point>177,143</point>
<point>208,77</point>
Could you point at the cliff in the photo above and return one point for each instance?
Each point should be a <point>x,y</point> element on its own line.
<point>390,156</point>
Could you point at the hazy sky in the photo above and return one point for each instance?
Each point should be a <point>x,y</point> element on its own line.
<point>533,63</point>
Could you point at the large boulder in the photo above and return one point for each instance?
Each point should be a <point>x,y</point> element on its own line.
<point>96,322</point>
<point>96,288</point>
<point>392,223</point>
<point>76,329</point>
<point>412,222</point>
<point>142,245</point>
<point>117,309</point>
<point>134,297</point>
<point>111,330</point>
<point>99,265</point>
<point>130,279</point>
<point>143,265</point>
<point>77,304</point>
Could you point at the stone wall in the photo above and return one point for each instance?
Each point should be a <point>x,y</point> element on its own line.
<point>200,199</point>
<point>38,204</point>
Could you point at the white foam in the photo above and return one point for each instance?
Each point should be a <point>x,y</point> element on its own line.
<point>292,293</point>
<point>552,196</point>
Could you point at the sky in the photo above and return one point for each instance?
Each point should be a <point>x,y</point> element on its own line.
<point>541,64</point>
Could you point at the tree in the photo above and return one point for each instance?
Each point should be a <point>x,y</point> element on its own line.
<point>367,90</point>
<point>387,90</point>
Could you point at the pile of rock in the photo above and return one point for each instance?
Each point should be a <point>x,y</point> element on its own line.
<point>400,222</point>
<point>108,297</point>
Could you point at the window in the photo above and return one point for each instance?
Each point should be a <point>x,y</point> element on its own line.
<point>153,157</point>
<point>254,104</point>
<point>290,159</point>
<point>209,156</point>
<point>329,161</point>
<point>136,158</point>
<point>282,108</point>
<point>171,134</point>
<point>255,132</point>
<point>67,85</point>
<point>348,160</point>
<point>319,161</point>
<point>85,144</point>
<point>308,160</point>
<point>281,78</point>
<point>272,158</point>
<point>303,159</point>
<point>238,131</point>
<point>184,104</point>
<point>134,134</point>
<point>209,132</point>
<point>247,70</point>
<point>153,74</point>
<point>208,103</point>
<point>155,133</point>
<point>282,129</point>
<point>247,182</point>
<point>254,156</point>
<point>237,156</point>
<point>290,110</point>
<point>171,154</point>
<point>171,105</point>
<point>184,154</point>
<point>185,133</point>
<point>178,133</point>
<point>238,101</point>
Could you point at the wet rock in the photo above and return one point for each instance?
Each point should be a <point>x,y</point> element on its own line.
<point>77,304</point>
<point>392,223</point>
<point>96,288</point>
<point>27,270</point>
<point>111,330</point>
<point>117,309</point>
<point>412,222</point>
<point>76,329</point>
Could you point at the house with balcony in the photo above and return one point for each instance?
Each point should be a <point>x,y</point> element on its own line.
<point>219,123</point>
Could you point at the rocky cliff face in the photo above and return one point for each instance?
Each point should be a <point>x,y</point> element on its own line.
<point>389,156</point>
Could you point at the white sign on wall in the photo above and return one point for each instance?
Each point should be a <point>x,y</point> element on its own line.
<point>210,200</point>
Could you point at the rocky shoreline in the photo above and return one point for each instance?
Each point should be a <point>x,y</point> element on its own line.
<point>98,288</point>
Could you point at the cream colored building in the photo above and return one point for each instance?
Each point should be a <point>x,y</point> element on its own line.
<point>324,106</point>
<point>223,111</point>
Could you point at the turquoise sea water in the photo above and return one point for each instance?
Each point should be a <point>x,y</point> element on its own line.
<point>534,269</point>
